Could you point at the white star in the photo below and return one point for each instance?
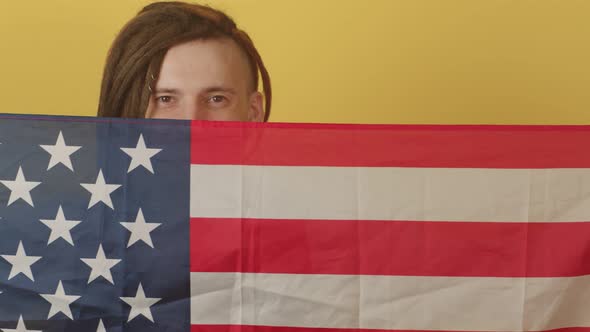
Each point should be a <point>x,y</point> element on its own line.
<point>20,327</point>
<point>101,327</point>
<point>21,263</point>
<point>101,192</point>
<point>140,305</point>
<point>60,227</point>
<point>140,230</point>
<point>101,266</point>
<point>20,188</point>
<point>140,155</point>
<point>60,302</point>
<point>60,153</point>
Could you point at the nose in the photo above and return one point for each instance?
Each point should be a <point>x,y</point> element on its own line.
<point>192,111</point>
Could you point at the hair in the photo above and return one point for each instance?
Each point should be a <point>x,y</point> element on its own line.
<point>136,56</point>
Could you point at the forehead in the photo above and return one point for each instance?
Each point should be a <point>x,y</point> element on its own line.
<point>201,64</point>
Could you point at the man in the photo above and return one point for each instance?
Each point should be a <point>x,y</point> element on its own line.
<point>178,60</point>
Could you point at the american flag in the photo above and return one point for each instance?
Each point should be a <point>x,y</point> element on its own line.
<point>145,225</point>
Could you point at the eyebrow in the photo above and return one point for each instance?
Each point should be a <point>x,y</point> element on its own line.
<point>171,91</point>
<point>207,90</point>
<point>219,88</point>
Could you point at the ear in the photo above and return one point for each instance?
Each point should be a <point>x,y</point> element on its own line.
<point>256,109</point>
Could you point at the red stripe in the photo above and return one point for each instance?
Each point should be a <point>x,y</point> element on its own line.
<point>390,247</point>
<point>389,145</point>
<point>250,328</point>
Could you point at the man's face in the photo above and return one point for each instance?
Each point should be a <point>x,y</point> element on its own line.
<point>205,80</point>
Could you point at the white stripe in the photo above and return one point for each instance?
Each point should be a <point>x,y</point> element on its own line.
<point>390,302</point>
<point>435,194</point>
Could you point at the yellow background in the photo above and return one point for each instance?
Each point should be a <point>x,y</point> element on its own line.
<point>369,61</point>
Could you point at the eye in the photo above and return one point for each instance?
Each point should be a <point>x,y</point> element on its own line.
<point>164,99</point>
<point>217,99</point>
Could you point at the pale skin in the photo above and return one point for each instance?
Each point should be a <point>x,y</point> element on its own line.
<point>206,80</point>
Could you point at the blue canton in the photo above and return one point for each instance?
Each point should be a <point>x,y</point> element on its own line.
<point>94,218</point>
